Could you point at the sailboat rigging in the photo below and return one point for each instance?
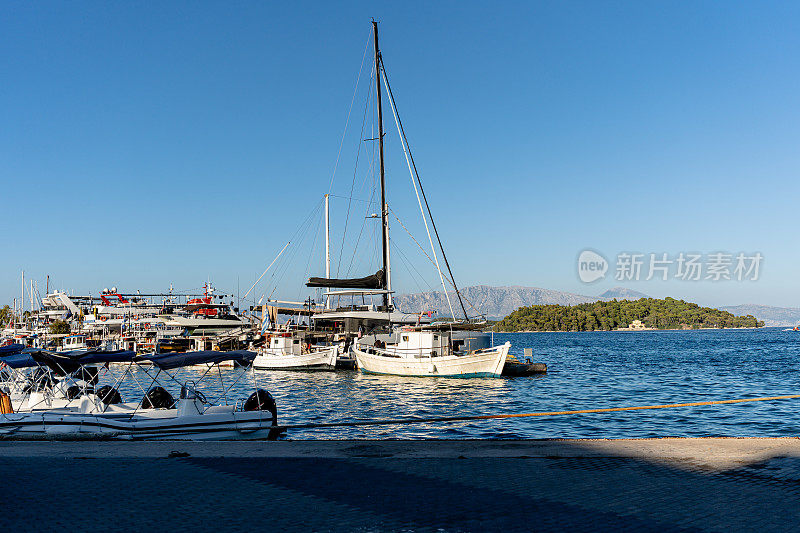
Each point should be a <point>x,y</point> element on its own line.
<point>418,349</point>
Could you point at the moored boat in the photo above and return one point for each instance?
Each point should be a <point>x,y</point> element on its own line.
<point>286,350</point>
<point>72,408</point>
<point>420,352</point>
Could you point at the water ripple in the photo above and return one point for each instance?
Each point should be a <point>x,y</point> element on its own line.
<point>587,370</point>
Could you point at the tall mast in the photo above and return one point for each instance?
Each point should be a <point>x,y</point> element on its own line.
<point>384,210</point>
<point>327,246</point>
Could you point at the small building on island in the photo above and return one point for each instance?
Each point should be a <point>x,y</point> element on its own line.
<point>636,325</point>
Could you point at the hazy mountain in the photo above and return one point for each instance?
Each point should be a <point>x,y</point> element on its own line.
<point>772,316</point>
<point>494,302</point>
<point>621,293</point>
<point>497,302</point>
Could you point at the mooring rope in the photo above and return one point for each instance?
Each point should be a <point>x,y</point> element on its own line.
<point>467,418</point>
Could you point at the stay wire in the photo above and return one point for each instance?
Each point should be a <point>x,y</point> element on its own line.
<point>350,110</point>
<point>419,181</point>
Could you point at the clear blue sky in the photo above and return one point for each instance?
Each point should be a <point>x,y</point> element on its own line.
<point>150,143</point>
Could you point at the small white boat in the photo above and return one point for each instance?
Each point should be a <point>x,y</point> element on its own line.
<point>66,408</point>
<point>286,351</point>
<point>189,420</point>
<point>421,352</point>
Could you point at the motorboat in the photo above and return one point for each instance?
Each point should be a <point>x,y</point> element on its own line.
<point>71,407</point>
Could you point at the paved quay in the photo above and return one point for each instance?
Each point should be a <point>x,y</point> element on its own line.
<point>668,484</point>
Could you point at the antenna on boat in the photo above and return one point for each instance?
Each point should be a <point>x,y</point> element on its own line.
<point>387,280</point>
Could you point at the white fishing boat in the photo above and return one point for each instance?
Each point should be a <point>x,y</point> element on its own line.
<point>420,352</point>
<point>285,350</point>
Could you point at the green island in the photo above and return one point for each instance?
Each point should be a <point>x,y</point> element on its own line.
<point>645,313</point>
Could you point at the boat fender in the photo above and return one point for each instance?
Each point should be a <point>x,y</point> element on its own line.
<point>158,398</point>
<point>261,400</point>
<point>5,404</point>
<point>109,395</point>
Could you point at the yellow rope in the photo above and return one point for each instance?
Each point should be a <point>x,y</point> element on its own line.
<point>528,415</point>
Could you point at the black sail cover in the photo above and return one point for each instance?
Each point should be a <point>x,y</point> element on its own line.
<point>374,281</point>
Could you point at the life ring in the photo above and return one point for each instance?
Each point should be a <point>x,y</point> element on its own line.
<point>103,318</point>
<point>147,325</point>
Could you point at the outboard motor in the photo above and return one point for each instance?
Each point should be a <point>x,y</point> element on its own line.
<point>262,400</point>
<point>89,374</point>
<point>158,398</point>
<point>109,395</point>
<point>39,380</point>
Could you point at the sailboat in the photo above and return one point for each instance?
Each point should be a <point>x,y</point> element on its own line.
<point>414,350</point>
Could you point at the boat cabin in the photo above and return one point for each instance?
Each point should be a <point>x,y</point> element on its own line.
<point>285,344</point>
<point>421,343</point>
<point>74,342</point>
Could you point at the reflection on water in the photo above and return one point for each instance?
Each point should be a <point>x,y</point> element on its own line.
<point>587,370</point>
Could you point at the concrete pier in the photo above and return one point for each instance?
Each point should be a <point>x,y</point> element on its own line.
<point>644,484</point>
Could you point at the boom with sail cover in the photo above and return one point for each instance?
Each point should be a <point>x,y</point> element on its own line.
<point>375,281</point>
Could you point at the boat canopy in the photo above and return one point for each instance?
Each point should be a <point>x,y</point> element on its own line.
<point>10,349</point>
<point>69,362</point>
<point>117,356</point>
<point>168,361</point>
<point>18,360</point>
<point>375,281</point>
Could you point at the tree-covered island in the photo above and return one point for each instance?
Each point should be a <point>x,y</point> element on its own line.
<point>667,313</point>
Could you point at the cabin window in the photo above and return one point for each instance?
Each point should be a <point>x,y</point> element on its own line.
<point>275,342</point>
<point>296,341</point>
<point>436,337</point>
<point>405,338</point>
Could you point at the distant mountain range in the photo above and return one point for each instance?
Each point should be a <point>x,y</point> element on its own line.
<point>621,293</point>
<point>772,316</point>
<point>498,302</point>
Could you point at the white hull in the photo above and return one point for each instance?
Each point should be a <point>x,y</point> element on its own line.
<point>488,362</point>
<point>324,359</point>
<point>251,425</point>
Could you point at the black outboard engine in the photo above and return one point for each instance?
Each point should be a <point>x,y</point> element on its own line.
<point>109,395</point>
<point>262,400</point>
<point>89,374</point>
<point>39,380</point>
<point>158,398</point>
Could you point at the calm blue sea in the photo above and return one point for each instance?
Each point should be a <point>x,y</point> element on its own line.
<point>587,370</point>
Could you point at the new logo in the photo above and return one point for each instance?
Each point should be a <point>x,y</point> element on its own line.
<point>591,266</point>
